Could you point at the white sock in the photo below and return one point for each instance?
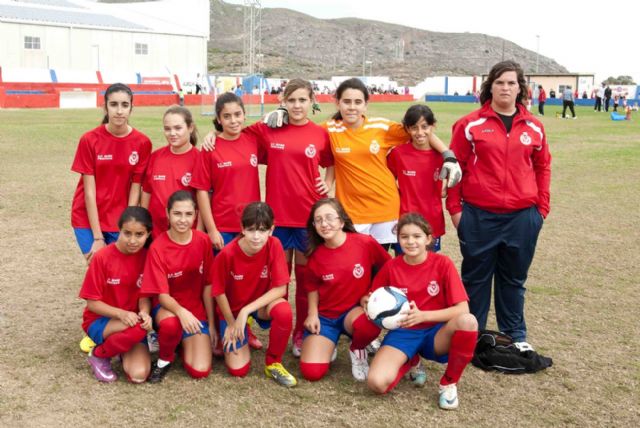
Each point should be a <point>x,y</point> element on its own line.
<point>162,363</point>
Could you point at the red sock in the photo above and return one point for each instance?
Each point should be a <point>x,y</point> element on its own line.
<point>241,372</point>
<point>402,371</point>
<point>364,331</point>
<point>169,336</point>
<point>196,374</point>
<point>313,371</point>
<point>463,343</point>
<point>302,304</point>
<point>120,342</point>
<point>281,320</point>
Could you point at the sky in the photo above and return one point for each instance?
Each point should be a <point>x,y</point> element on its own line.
<point>586,37</point>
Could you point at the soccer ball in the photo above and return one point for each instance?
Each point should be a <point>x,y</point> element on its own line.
<point>385,306</point>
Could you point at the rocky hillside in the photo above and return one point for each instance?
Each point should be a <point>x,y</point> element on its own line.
<point>295,44</point>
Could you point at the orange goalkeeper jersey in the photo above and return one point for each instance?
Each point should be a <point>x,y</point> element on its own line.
<point>364,185</point>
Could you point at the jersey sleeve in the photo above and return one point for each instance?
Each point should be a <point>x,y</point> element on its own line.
<point>94,280</point>
<point>258,131</point>
<point>279,273</point>
<point>396,134</point>
<point>379,256</point>
<point>84,160</point>
<point>382,278</point>
<point>207,273</point>
<point>154,279</point>
<point>219,273</point>
<point>392,160</point>
<point>313,280</point>
<point>141,167</point>
<point>326,157</point>
<point>201,179</point>
<point>147,180</point>
<point>461,147</point>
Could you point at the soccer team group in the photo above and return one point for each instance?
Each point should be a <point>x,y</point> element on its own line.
<point>181,249</point>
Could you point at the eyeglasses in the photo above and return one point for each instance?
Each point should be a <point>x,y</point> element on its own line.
<point>328,219</point>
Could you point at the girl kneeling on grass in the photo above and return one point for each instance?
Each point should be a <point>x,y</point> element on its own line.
<point>340,266</point>
<point>177,274</point>
<point>250,279</point>
<point>116,318</point>
<point>438,325</point>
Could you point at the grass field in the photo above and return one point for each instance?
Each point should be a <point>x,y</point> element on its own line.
<point>581,303</point>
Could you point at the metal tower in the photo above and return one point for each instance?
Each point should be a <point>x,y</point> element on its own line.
<point>252,35</point>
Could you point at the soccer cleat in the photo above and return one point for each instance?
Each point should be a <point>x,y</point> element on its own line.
<point>373,347</point>
<point>334,354</point>
<point>158,373</point>
<point>254,342</point>
<point>448,398</point>
<point>278,373</point>
<point>296,344</point>
<point>418,375</point>
<point>102,368</point>
<point>523,346</point>
<point>359,364</point>
<point>152,342</point>
<point>86,344</point>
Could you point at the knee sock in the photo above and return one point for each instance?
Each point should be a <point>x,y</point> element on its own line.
<point>120,342</point>
<point>313,371</point>
<point>402,371</point>
<point>302,304</point>
<point>364,331</point>
<point>241,372</point>
<point>196,374</point>
<point>281,320</point>
<point>169,336</point>
<point>463,344</point>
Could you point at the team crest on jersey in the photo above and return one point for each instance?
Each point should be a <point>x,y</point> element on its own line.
<point>358,271</point>
<point>525,139</point>
<point>134,158</point>
<point>253,160</point>
<point>265,272</point>
<point>139,281</point>
<point>374,147</point>
<point>186,179</point>
<point>310,151</point>
<point>433,288</point>
<point>201,270</point>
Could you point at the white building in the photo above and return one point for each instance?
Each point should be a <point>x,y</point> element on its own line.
<point>167,36</point>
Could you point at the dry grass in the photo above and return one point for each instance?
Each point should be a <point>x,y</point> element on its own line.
<point>581,303</point>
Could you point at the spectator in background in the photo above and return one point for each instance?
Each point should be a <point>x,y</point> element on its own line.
<point>552,94</point>
<point>599,94</point>
<point>568,101</point>
<point>607,98</point>
<point>542,98</point>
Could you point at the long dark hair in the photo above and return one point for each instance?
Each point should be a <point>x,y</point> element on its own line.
<point>179,196</point>
<point>417,220</point>
<point>227,97</point>
<point>316,240</point>
<point>188,119</point>
<point>116,87</point>
<point>139,215</point>
<point>353,83</point>
<point>415,112</point>
<point>497,71</point>
<point>258,215</point>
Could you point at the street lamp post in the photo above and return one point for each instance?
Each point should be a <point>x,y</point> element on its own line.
<point>537,53</point>
<point>370,64</point>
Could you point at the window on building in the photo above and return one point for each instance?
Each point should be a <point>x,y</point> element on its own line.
<point>142,49</point>
<point>31,42</point>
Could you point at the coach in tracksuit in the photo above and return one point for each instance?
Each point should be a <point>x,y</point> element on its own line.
<point>503,198</point>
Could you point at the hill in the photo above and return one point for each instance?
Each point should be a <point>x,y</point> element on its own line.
<point>295,44</point>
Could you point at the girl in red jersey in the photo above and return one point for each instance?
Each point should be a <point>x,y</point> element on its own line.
<point>341,263</point>
<point>438,325</point>
<point>251,278</point>
<point>177,274</point>
<point>294,155</point>
<point>116,317</point>
<point>111,160</point>
<point>171,167</point>
<point>416,168</point>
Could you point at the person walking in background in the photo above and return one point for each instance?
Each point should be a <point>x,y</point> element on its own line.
<point>599,94</point>
<point>568,101</point>
<point>607,98</point>
<point>542,98</point>
<point>499,221</point>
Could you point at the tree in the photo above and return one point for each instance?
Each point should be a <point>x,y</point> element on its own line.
<point>620,80</point>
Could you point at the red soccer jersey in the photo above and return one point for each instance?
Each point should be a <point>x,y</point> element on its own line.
<point>180,270</point>
<point>113,278</point>
<point>417,173</point>
<point>433,285</point>
<point>244,278</point>
<point>294,155</point>
<point>231,170</point>
<point>115,162</point>
<point>343,275</point>
<point>167,173</point>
